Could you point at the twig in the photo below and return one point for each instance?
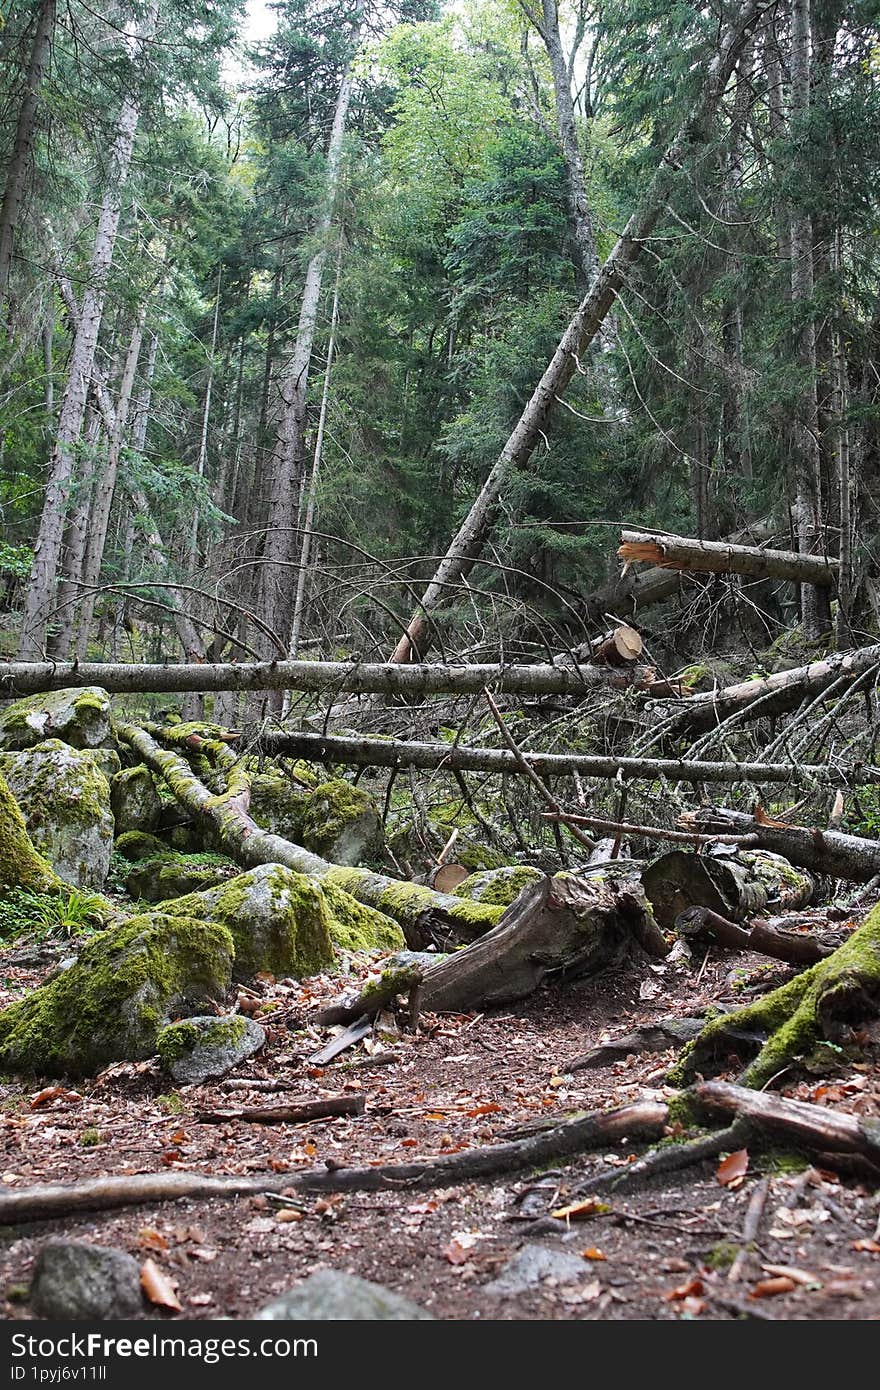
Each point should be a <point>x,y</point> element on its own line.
<point>751,1226</point>
<point>650,832</point>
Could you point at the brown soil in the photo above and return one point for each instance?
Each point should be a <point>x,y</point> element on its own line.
<point>660,1252</point>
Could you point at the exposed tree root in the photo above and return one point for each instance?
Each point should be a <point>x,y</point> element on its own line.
<point>672,1158</point>
<point>788,1023</point>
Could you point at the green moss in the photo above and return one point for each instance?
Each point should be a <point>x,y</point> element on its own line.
<point>341,823</point>
<point>793,1018</point>
<point>138,844</point>
<point>722,1255</point>
<point>278,919</point>
<point>21,866</point>
<point>498,887</point>
<point>110,1004</point>
<point>356,927</point>
<point>171,1103</point>
<point>172,875</point>
<point>180,1039</point>
<point>90,1137</point>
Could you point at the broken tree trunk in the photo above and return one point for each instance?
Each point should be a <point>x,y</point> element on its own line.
<point>734,886</point>
<point>828,852</point>
<point>771,695</point>
<point>705,925</point>
<point>382,678</point>
<point>591,313</point>
<point>790,1022</point>
<point>720,557</point>
<point>425,916</point>
<point>561,926</point>
<point>622,647</point>
<point>392,752</point>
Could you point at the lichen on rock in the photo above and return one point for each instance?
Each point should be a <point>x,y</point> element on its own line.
<point>79,717</point>
<point>135,802</point>
<point>342,823</point>
<point>65,801</point>
<point>127,983</point>
<point>196,1050</point>
<point>498,887</point>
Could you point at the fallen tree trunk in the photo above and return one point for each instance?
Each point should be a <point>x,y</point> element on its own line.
<point>644,1120</point>
<point>814,1126</point>
<point>828,852</point>
<point>425,916</point>
<point>733,885</point>
<point>706,925</point>
<point>771,695</point>
<point>392,752</point>
<point>19,678</point>
<point>721,557</point>
<point>562,926</point>
<point>465,548</point>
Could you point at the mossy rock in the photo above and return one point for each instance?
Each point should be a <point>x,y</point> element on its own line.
<point>134,800</point>
<point>65,801</point>
<point>499,887</point>
<point>279,921</point>
<point>420,846</point>
<point>170,875</point>
<point>125,985</point>
<point>356,927</point>
<point>137,844</point>
<point>196,1050</point>
<point>342,824</point>
<point>21,865</point>
<point>279,805</point>
<point>80,718</point>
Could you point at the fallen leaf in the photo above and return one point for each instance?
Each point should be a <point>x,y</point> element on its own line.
<point>455,1253</point>
<point>150,1239</point>
<point>843,1288</point>
<point>179,1136</point>
<point>435,1115</point>
<point>800,1276</point>
<point>491,1107</point>
<point>53,1093</point>
<point>579,1211</point>
<point>592,1253</point>
<point>769,1288</point>
<point>158,1288</point>
<point>586,1293</point>
<point>734,1166</point>
<point>288,1214</point>
<point>867,1246</point>
<point>693,1288</point>
<point>202,1252</point>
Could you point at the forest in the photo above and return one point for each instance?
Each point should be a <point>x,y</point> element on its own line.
<point>439,660</point>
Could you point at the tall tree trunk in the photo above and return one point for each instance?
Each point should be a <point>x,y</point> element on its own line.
<point>16,172</point>
<point>815,609</point>
<point>287,460</point>
<point>76,540</point>
<point>105,487</point>
<point>587,322</point>
<point>206,418</point>
<point>41,589</point>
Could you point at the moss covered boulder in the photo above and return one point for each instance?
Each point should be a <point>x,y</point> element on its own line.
<point>170,875</point>
<point>110,1005</point>
<point>419,845</point>
<point>137,844</point>
<point>498,887</point>
<point>65,801</point>
<point>279,805</point>
<point>196,1050</point>
<point>356,927</point>
<point>342,824</point>
<point>134,800</point>
<point>278,919</point>
<point>21,866</point>
<point>78,717</point>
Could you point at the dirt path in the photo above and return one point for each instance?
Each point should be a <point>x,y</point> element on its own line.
<point>661,1252</point>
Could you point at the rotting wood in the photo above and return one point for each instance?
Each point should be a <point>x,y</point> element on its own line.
<point>643,1120</point>
<point>622,647</point>
<point>735,885</point>
<point>705,924</point>
<point>299,1114</point>
<point>652,1037</point>
<point>399,753</point>
<point>720,557</point>
<point>812,1126</point>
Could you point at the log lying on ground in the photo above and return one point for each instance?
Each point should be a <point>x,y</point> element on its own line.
<point>828,852</point>
<point>561,926</point>
<point>787,1024</point>
<point>735,885</point>
<point>383,678</point>
<point>706,925</point>
<point>812,1126</point>
<point>720,557</point>
<point>393,752</point>
<point>621,647</point>
<point>771,695</point>
<point>426,916</point>
<point>644,1120</point>
<point>301,1113</point>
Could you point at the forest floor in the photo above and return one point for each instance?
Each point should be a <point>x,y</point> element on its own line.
<point>662,1251</point>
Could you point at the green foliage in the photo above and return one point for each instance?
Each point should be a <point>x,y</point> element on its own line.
<point>60,915</point>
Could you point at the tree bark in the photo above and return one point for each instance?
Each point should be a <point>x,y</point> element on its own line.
<point>467,544</point>
<point>735,886</point>
<point>373,752</point>
<point>47,549</point>
<point>719,557</point>
<point>821,851</point>
<point>16,170</point>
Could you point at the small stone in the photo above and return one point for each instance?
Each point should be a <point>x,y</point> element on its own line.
<point>331,1295</point>
<point>533,1265</point>
<point>206,1048</point>
<point>75,1281</point>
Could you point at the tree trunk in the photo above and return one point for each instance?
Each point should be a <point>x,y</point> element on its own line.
<point>821,851</point>
<point>467,544</point>
<point>736,886</point>
<point>717,557</point>
<point>41,590</point>
<point>16,170</point>
<point>76,541</point>
<point>583,236</point>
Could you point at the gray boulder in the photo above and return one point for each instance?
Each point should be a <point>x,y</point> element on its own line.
<point>136,803</point>
<point>333,1296</point>
<point>75,1281</point>
<point>65,800</point>
<point>78,717</point>
<point>205,1048</point>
